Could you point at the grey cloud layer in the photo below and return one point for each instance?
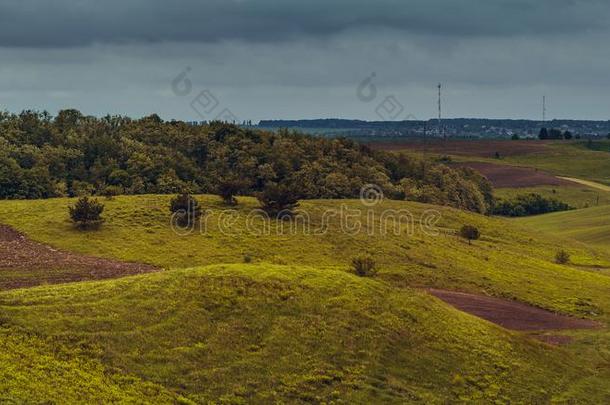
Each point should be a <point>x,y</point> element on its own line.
<point>68,23</point>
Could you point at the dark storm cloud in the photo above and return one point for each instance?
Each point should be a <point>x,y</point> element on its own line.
<point>68,23</point>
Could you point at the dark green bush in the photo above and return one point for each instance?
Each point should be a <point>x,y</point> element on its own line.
<point>229,187</point>
<point>86,213</point>
<point>364,266</point>
<point>470,233</point>
<point>185,210</point>
<point>562,257</point>
<point>278,200</point>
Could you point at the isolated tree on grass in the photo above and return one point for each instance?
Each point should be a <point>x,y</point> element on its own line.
<point>86,213</point>
<point>470,233</point>
<point>185,209</point>
<point>278,199</point>
<point>562,257</point>
<point>229,187</point>
<point>364,266</point>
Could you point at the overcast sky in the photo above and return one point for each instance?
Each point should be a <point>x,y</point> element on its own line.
<point>288,59</point>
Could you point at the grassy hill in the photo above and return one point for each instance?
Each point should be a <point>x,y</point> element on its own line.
<point>295,325</point>
<point>506,262</point>
<point>266,333</point>
<point>590,226</point>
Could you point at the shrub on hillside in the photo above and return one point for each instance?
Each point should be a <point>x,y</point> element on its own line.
<point>185,210</point>
<point>86,213</point>
<point>278,200</point>
<point>562,257</point>
<point>470,233</point>
<point>364,266</point>
<point>229,187</point>
<point>529,204</point>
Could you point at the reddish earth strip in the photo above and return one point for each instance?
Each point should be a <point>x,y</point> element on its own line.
<point>25,263</point>
<point>468,147</point>
<point>513,315</point>
<point>505,176</point>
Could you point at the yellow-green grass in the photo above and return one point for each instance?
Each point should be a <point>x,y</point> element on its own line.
<point>36,371</point>
<point>263,333</point>
<point>590,226</point>
<point>508,261</point>
<point>577,196</point>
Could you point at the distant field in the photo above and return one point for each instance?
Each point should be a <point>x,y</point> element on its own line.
<point>506,176</point>
<point>529,166</point>
<point>576,196</point>
<point>467,147</point>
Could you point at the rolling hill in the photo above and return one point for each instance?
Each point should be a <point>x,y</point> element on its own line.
<point>237,316</point>
<point>590,226</point>
<point>268,333</point>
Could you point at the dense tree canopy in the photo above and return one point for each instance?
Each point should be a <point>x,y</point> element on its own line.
<point>72,154</point>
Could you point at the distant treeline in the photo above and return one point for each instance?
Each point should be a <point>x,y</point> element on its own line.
<point>71,155</point>
<point>454,127</point>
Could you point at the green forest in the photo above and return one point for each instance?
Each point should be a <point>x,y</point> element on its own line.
<point>42,156</point>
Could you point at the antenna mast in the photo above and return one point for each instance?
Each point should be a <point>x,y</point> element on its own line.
<point>441,131</point>
<point>543,110</point>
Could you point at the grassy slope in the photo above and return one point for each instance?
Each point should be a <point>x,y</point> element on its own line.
<point>506,262</point>
<point>33,370</point>
<point>591,226</point>
<point>132,324</point>
<point>266,333</point>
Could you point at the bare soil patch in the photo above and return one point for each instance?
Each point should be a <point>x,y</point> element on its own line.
<point>25,263</point>
<point>505,176</point>
<point>479,148</point>
<point>512,314</point>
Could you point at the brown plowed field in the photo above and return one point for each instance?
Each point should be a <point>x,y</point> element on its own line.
<point>505,176</point>
<point>479,148</point>
<point>511,314</point>
<point>25,263</point>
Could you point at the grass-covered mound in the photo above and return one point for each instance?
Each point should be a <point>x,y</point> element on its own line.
<point>590,226</point>
<point>509,260</point>
<point>267,333</point>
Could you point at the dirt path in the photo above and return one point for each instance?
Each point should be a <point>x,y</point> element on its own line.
<point>25,263</point>
<point>511,314</point>
<point>591,184</point>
